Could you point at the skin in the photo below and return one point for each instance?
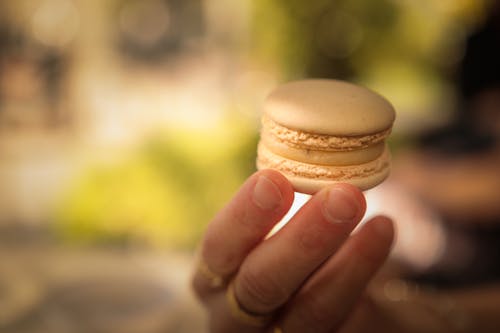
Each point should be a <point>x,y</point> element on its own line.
<point>314,275</point>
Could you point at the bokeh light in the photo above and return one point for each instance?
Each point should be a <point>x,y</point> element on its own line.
<point>55,22</point>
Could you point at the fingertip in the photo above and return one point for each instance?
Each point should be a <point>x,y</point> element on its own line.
<point>374,240</point>
<point>354,193</point>
<point>382,231</point>
<point>357,193</point>
<point>277,177</point>
<point>282,184</point>
<point>384,227</point>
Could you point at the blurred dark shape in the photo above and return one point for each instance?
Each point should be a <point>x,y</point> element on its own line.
<point>31,79</point>
<point>455,167</point>
<point>477,119</point>
<point>158,30</point>
<point>471,257</point>
<point>456,139</point>
<point>480,69</point>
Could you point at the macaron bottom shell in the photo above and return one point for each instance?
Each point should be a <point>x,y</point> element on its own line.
<point>312,185</point>
<point>310,178</point>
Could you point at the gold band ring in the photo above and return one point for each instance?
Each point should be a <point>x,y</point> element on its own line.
<point>246,317</point>
<point>214,279</point>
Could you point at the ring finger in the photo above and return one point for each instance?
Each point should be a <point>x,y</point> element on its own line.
<point>328,297</point>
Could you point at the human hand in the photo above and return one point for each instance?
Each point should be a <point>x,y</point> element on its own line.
<point>308,277</point>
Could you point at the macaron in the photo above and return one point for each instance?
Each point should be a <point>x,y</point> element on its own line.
<point>318,132</point>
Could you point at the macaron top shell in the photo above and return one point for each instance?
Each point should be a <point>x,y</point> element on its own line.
<point>329,107</point>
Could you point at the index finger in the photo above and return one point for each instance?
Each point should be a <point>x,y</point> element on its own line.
<point>259,204</point>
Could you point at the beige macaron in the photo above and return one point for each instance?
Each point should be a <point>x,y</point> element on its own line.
<point>318,132</point>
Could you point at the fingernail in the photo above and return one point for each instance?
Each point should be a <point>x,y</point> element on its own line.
<point>266,194</point>
<point>340,206</point>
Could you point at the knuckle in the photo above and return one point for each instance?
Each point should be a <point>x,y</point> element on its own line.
<point>198,290</point>
<point>261,291</point>
<point>311,243</point>
<point>215,251</point>
<point>203,284</point>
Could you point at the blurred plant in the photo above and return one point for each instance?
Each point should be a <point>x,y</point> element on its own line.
<point>162,195</point>
<point>406,50</point>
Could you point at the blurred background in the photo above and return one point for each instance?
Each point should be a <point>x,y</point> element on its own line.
<point>126,124</point>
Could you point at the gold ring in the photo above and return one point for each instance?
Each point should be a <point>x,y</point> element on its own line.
<point>214,279</point>
<point>238,312</point>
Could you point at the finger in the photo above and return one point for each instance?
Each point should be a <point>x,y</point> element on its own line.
<point>280,265</point>
<point>366,316</point>
<point>277,268</point>
<point>328,297</point>
<point>260,203</point>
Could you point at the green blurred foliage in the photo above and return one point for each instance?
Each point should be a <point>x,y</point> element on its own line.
<point>163,194</point>
<point>340,38</point>
<point>406,50</point>
<point>319,37</point>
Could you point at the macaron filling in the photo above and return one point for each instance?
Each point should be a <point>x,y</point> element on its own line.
<point>323,157</point>
<point>267,159</point>
<point>307,140</point>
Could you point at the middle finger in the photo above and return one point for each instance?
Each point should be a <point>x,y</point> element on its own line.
<point>280,265</point>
